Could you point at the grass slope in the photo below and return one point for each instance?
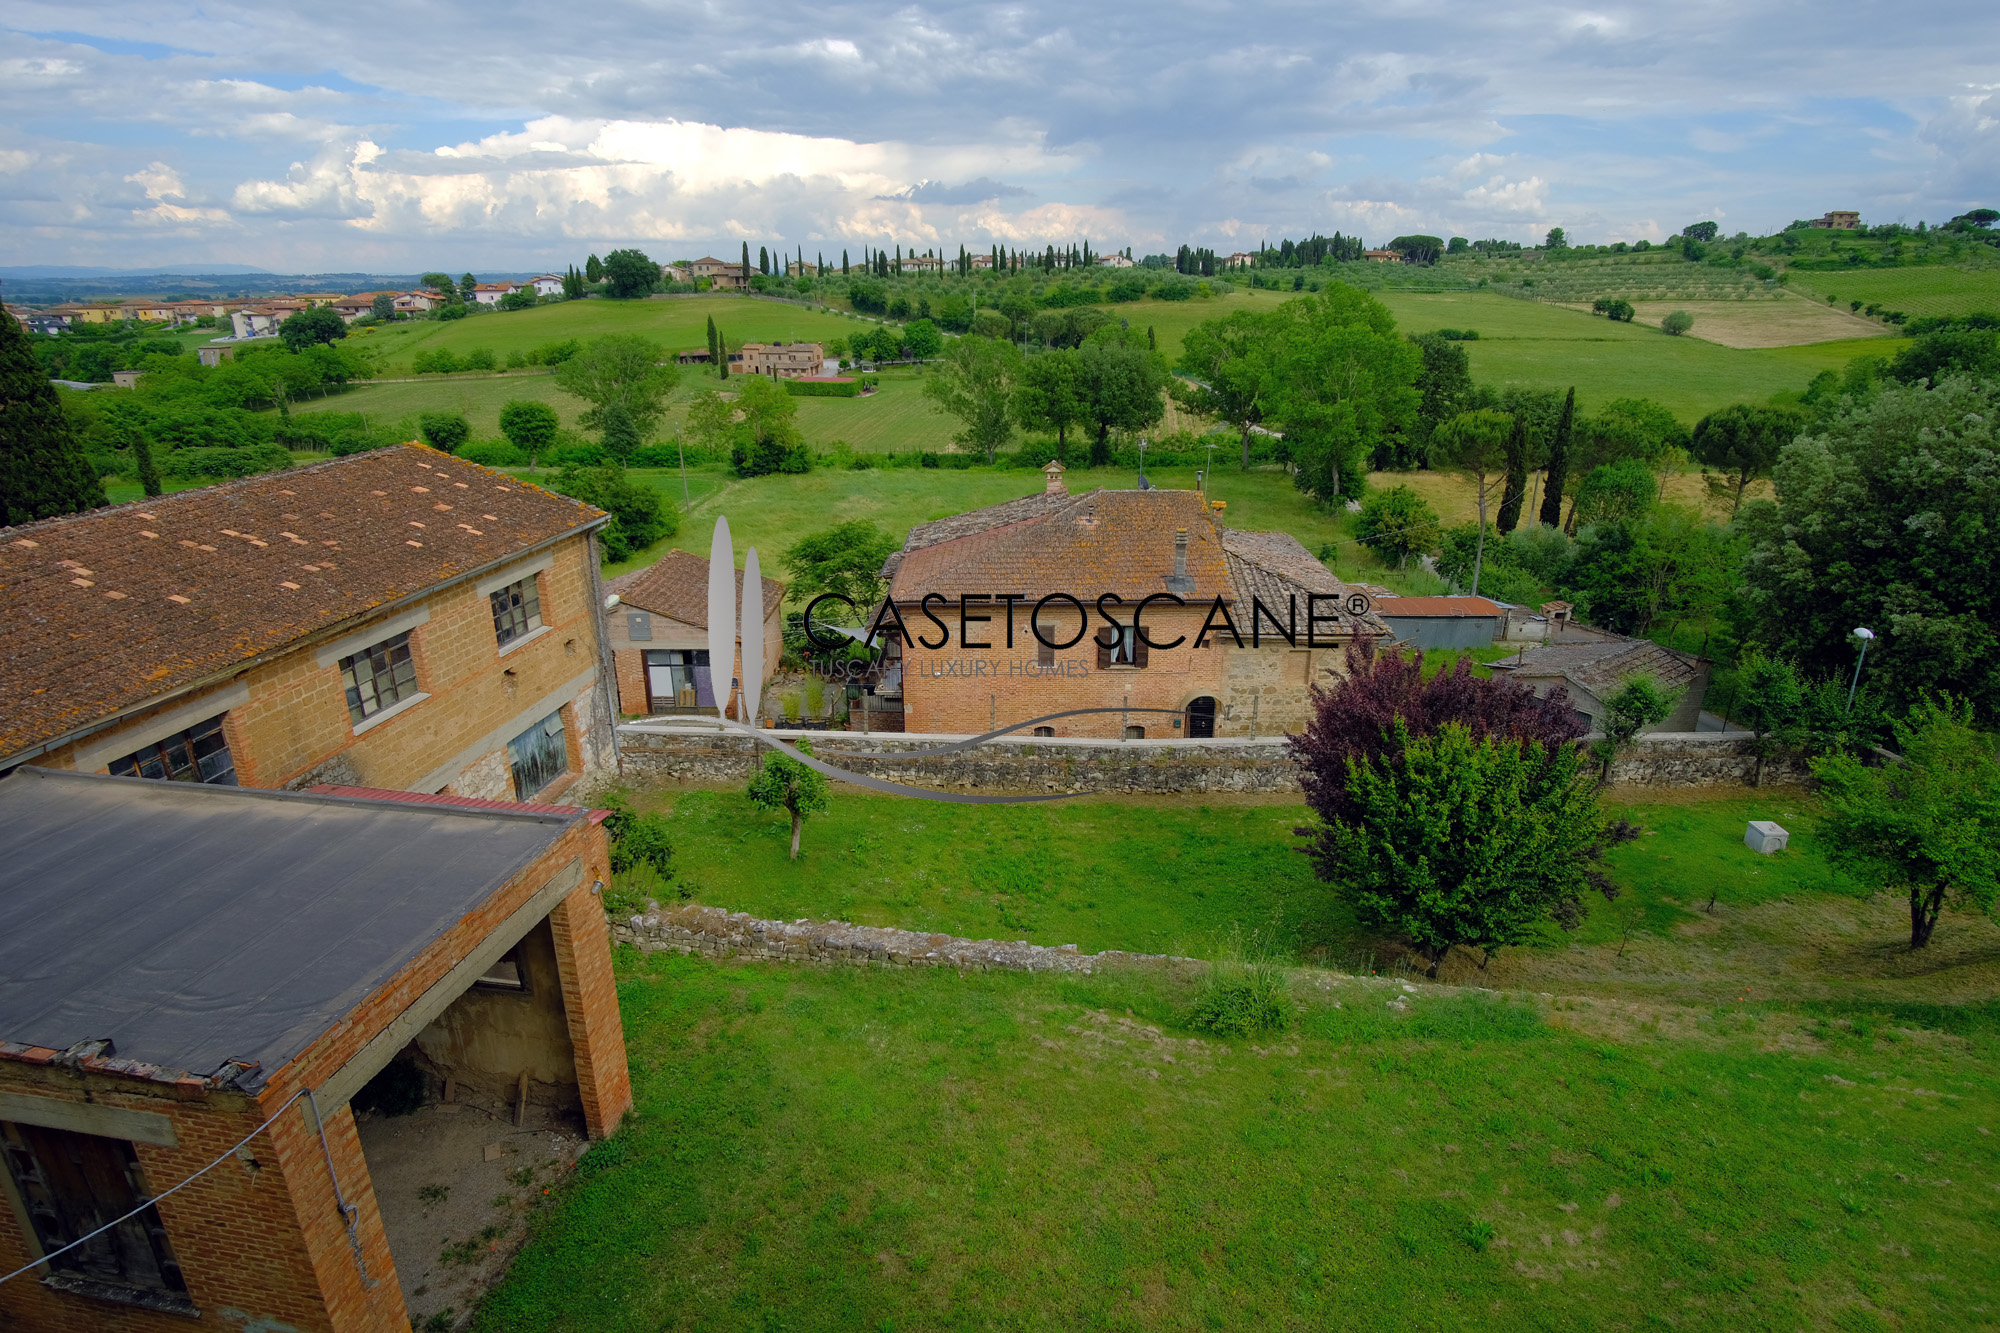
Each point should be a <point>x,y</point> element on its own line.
<point>1925,290</point>
<point>836,1149</point>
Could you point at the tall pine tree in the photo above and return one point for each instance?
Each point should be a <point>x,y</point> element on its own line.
<point>43,471</point>
<point>1558,475</point>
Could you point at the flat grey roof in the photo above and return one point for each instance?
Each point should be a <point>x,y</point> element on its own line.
<point>196,925</point>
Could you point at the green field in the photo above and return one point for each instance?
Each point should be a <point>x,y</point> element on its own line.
<point>1928,290</point>
<point>676,322</point>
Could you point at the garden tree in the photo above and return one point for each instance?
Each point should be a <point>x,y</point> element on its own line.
<point>1742,444</point>
<point>1444,389</point>
<point>1476,444</point>
<point>1417,249</point>
<point>1121,386</point>
<point>784,784</point>
<point>444,431</point>
<point>620,434</point>
<point>1639,703</point>
<point>593,270</point>
<point>308,328</point>
<point>1557,239</point>
<point>530,425</point>
<point>1067,327</point>
<point>1515,493</point>
<point>1623,490</point>
<point>1677,323</point>
<point>383,307</point>
<point>758,426</point>
<point>142,458</point>
<point>975,382</point>
<point>1769,699</point>
<point>1700,231</point>
<point>845,560</point>
<point>1883,519</point>
<point>1470,842</point>
<point>1966,350</point>
<point>440,283</point>
<point>638,516</point>
<point>1223,376</point>
<point>629,274</point>
<point>1049,396</point>
<point>621,368</point>
<point>1927,824</point>
<point>923,339</point>
<point>1627,429</point>
<point>1557,475</point>
<point>43,469</point>
<point>467,284</point>
<point>1397,522</point>
<point>1337,380</point>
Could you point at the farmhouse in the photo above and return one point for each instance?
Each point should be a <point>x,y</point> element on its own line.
<point>547,284</point>
<point>1115,261</point>
<point>195,981</point>
<point>1595,670</point>
<point>1840,220</point>
<point>399,619</point>
<point>658,637</point>
<point>722,275</point>
<point>1134,601</point>
<point>1383,256</point>
<point>782,361</point>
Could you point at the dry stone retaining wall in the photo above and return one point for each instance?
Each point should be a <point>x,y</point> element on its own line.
<point>687,754</point>
<point>716,933</point>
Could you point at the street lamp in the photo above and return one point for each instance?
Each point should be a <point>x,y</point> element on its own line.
<point>1142,463</point>
<point>1866,636</point>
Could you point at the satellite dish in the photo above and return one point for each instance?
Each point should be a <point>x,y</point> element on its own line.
<point>1144,485</point>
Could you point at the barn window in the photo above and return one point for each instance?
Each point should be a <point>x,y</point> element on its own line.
<point>71,1184</point>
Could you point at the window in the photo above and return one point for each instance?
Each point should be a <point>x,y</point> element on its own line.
<point>72,1184</point>
<point>1045,731</point>
<point>1120,647</point>
<point>506,972</point>
<point>199,754</point>
<point>678,678</point>
<point>1135,733</point>
<point>1045,654</point>
<point>539,756</point>
<point>379,676</point>
<point>517,608</point>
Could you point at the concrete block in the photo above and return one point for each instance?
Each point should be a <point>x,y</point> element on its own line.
<point>1764,836</point>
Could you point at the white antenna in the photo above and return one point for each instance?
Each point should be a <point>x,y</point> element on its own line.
<point>721,613</point>
<point>753,635</point>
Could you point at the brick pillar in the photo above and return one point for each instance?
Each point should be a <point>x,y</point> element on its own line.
<point>590,999</point>
<point>354,1303</point>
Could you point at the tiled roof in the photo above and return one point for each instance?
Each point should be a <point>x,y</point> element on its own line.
<point>1603,667</point>
<point>1439,606</point>
<point>1274,567</point>
<point>113,608</point>
<point>1104,541</point>
<point>677,587</point>
<point>978,520</point>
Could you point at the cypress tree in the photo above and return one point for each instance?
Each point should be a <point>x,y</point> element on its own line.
<point>142,454</point>
<point>1558,476</point>
<point>711,340</point>
<point>1517,477</point>
<point>843,263</point>
<point>746,261</point>
<point>43,470</point>
<point>722,348</point>
<point>763,259</point>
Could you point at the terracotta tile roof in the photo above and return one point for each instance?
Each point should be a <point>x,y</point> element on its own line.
<point>114,608</point>
<point>1103,541</point>
<point>1439,606</point>
<point>677,587</point>
<point>1275,568</point>
<point>1601,668</point>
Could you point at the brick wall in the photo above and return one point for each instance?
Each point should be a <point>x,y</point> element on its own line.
<point>295,729</point>
<point>261,1241</point>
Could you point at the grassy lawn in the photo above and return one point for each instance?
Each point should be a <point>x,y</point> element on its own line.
<point>835,1149</point>
<point>896,418</point>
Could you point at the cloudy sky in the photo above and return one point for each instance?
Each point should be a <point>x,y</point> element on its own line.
<point>387,137</point>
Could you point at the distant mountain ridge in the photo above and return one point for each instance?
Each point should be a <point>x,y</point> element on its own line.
<point>76,271</point>
<point>50,284</point>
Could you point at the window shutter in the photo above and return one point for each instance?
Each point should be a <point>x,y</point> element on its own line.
<point>1106,638</point>
<point>1138,649</point>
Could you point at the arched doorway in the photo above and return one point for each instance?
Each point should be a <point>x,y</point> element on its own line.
<point>1201,718</point>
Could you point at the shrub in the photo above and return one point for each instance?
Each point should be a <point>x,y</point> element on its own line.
<point>638,516</point>
<point>1241,998</point>
<point>444,431</point>
<point>822,389</point>
<point>493,453</point>
<point>480,358</point>
<point>637,839</point>
<point>1679,322</point>
<point>189,464</point>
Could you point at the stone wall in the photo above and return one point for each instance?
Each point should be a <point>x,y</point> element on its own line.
<point>716,933</point>
<point>682,752</point>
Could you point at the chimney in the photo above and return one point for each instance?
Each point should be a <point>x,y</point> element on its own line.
<point>1054,472</point>
<point>1180,582</point>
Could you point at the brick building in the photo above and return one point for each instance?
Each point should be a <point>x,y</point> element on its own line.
<point>400,619</point>
<point>782,361</point>
<point>966,588</point>
<point>658,638</point>
<point>195,981</point>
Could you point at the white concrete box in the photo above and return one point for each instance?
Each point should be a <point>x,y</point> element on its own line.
<point>1764,836</point>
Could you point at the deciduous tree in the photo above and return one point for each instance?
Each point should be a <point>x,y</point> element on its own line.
<point>311,327</point>
<point>629,275</point>
<point>1224,377</point>
<point>530,425</point>
<point>1049,396</point>
<point>975,382</point>
<point>1337,381</point>
<point>783,784</point>
<point>1476,444</point>
<point>845,560</point>
<point>1397,522</point>
<point>1122,386</point>
<point>621,368</point>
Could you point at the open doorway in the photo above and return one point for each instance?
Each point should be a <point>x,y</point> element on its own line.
<point>467,1127</point>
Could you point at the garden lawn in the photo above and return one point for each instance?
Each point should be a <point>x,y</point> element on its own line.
<point>832,1148</point>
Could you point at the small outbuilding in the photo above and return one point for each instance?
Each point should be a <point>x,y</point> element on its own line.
<point>196,980</point>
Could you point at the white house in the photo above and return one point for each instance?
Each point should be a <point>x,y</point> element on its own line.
<point>547,284</point>
<point>489,293</point>
<point>1114,261</point>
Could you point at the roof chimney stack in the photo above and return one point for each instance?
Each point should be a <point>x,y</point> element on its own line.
<point>1180,582</point>
<point>1053,471</point>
